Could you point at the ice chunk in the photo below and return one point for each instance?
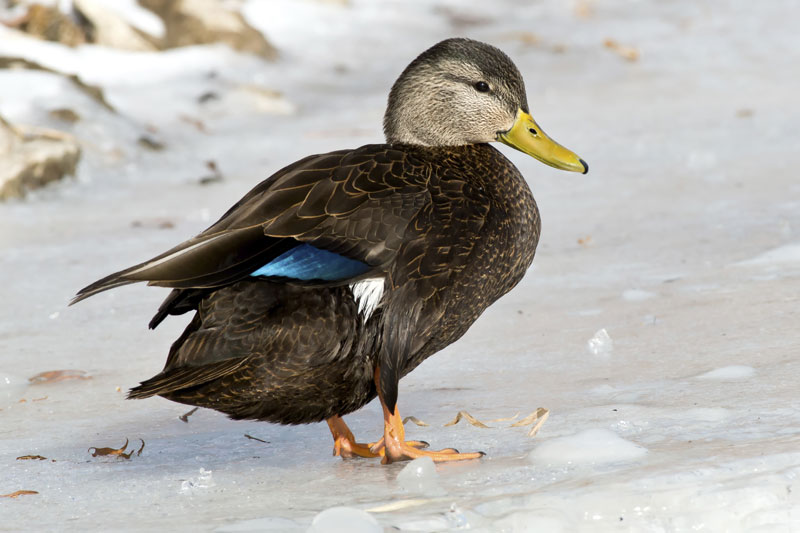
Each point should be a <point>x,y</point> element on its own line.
<point>420,476</point>
<point>789,253</point>
<point>202,481</point>
<point>344,520</point>
<point>587,447</point>
<point>727,373</point>
<point>601,343</point>
<point>637,295</point>
<point>12,388</point>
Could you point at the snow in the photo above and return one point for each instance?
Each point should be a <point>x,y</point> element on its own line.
<point>693,197</point>
<point>590,446</point>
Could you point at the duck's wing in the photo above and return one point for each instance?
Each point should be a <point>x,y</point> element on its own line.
<point>325,219</point>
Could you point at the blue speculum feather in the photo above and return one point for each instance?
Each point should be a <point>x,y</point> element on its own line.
<point>305,262</point>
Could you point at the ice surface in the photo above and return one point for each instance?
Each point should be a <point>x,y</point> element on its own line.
<point>590,446</point>
<point>600,343</point>
<point>693,156</point>
<point>344,520</point>
<point>637,295</point>
<point>12,389</point>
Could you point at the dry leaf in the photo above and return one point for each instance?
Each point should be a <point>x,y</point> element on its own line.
<point>538,425</point>
<point>414,419</point>
<point>468,417</point>
<point>539,417</point>
<point>585,241</point>
<point>256,438</point>
<point>583,9</point>
<point>504,419</point>
<point>18,493</point>
<point>185,416</point>
<point>53,376</point>
<point>118,452</point>
<point>197,123</point>
<point>626,52</point>
<point>31,457</point>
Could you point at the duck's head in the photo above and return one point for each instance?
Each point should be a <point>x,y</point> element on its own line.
<point>461,92</point>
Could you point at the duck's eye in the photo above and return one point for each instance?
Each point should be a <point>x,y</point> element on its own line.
<point>482,87</point>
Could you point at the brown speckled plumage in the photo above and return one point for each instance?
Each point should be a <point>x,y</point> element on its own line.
<point>448,226</point>
<point>451,234</point>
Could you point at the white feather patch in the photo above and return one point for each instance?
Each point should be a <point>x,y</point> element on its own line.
<point>367,293</point>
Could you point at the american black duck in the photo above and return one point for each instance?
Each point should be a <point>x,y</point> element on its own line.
<point>339,274</point>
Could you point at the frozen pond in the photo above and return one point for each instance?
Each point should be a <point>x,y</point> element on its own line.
<point>682,243</point>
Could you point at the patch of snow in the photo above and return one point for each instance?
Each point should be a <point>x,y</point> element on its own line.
<point>788,253</point>
<point>729,373</point>
<point>590,446</point>
<point>637,295</point>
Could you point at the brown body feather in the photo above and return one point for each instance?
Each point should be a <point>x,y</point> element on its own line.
<point>449,229</point>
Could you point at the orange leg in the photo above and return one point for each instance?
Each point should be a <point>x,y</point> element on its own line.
<point>345,445</point>
<point>395,446</point>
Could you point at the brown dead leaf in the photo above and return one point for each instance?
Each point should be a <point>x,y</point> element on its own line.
<point>585,241</point>
<point>468,417</point>
<point>43,398</point>
<point>504,419</point>
<point>196,122</point>
<point>18,493</point>
<point>53,376</point>
<point>185,416</point>
<point>415,420</point>
<point>525,37</point>
<point>626,52</point>
<point>537,418</point>
<point>31,458</point>
<point>583,9</point>
<point>118,452</point>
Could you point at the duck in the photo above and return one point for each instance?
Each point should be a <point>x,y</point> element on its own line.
<point>339,274</point>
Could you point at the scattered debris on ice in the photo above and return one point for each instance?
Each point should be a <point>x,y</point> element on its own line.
<point>601,343</point>
<point>420,477</point>
<point>344,520</point>
<point>590,446</point>
<point>729,373</point>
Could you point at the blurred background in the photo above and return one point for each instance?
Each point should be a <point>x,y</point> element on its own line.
<point>658,323</point>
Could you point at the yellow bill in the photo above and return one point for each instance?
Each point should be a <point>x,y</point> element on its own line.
<point>526,136</point>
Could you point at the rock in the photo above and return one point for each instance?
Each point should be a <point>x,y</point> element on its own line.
<point>191,22</point>
<point>50,24</point>
<point>106,27</point>
<point>34,159</point>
